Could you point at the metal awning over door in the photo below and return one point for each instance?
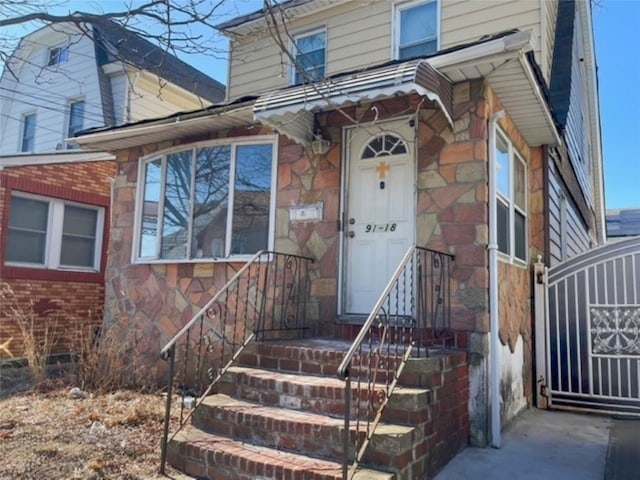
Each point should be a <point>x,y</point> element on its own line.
<point>290,111</point>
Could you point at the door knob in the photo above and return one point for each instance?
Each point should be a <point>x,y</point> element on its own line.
<point>352,221</point>
<point>351,234</point>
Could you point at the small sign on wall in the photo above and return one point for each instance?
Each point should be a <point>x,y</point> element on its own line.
<point>306,212</point>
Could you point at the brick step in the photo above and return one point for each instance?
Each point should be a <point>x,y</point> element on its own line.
<point>315,394</point>
<point>323,356</point>
<point>301,432</point>
<point>312,356</point>
<point>205,455</point>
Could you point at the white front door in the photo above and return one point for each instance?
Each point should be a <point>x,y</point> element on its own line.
<point>380,214</point>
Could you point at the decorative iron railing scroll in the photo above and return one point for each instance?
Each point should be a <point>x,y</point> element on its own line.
<point>412,313</point>
<point>266,299</point>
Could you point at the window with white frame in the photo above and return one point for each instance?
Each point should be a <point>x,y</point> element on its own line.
<point>416,28</point>
<point>53,233</point>
<point>211,201</point>
<point>511,186</point>
<point>58,55</point>
<point>310,57</point>
<point>28,133</point>
<point>76,119</point>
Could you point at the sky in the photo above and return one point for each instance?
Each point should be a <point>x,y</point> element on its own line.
<point>617,42</point>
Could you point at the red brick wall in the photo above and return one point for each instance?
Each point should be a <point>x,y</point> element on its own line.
<point>64,308</point>
<point>59,298</point>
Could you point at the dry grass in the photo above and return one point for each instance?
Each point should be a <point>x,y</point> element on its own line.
<point>105,359</point>
<point>38,337</point>
<point>49,435</point>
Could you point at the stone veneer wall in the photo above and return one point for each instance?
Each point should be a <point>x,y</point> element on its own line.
<point>515,311</point>
<point>158,299</point>
<point>452,189</point>
<point>452,216</point>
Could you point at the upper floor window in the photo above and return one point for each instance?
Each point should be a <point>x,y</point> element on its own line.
<point>58,56</point>
<point>76,118</point>
<point>28,133</point>
<point>416,28</point>
<point>511,186</point>
<point>207,202</point>
<point>310,57</point>
<point>53,233</point>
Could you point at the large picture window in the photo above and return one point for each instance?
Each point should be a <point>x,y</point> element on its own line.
<point>52,233</point>
<point>416,28</point>
<point>511,186</point>
<point>207,202</point>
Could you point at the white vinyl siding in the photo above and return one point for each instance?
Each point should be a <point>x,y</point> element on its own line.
<point>469,20</point>
<point>77,78</point>
<point>354,40</point>
<point>549,14</point>
<point>150,98</point>
<point>360,34</point>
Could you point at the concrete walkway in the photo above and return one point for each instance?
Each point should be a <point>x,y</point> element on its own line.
<point>540,444</point>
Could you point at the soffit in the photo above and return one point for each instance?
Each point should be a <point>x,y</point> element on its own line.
<point>512,78</point>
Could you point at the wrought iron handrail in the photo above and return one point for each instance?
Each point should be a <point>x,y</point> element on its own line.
<point>266,297</point>
<point>415,306</point>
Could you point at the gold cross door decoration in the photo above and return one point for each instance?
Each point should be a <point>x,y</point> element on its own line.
<point>381,169</point>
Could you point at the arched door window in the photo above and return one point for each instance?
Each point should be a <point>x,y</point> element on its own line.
<point>384,145</point>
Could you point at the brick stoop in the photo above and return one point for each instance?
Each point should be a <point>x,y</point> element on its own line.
<point>279,414</point>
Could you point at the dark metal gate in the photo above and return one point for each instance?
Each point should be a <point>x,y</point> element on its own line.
<point>591,330</point>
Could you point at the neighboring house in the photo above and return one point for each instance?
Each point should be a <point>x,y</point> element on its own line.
<point>623,222</point>
<point>54,199</point>
<point>468,127</point>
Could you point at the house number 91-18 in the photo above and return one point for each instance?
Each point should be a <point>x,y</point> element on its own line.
<point>387,227</point>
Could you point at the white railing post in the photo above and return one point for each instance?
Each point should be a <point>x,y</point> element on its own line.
<point>540,296</point>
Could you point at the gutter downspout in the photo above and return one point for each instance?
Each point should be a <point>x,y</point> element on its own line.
<point>494,340</point>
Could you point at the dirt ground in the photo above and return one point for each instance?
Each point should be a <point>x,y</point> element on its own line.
<point>46,434</point>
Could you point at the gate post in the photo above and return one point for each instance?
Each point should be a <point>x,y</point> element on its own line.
<point>540,309</point>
